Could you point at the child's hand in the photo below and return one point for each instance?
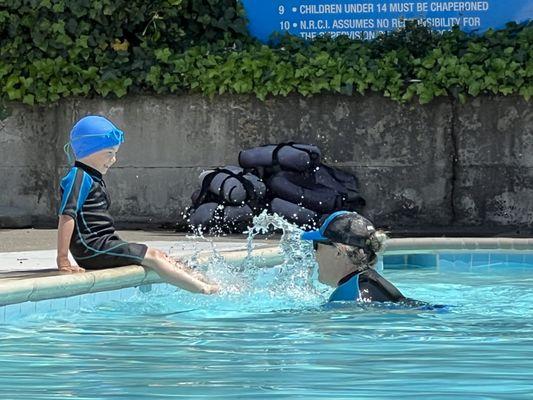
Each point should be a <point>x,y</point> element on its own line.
<point>64,265</point>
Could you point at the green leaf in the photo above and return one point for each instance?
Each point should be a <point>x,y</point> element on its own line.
<point>51,49</point>
<point>29,99</point>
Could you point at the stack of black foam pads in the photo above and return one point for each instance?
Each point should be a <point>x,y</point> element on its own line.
<point>288,179</point>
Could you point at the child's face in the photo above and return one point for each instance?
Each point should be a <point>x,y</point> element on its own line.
<point>102,160</point>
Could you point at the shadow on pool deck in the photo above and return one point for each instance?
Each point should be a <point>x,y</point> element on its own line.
<point>30,274</point>
<point>46,239</point>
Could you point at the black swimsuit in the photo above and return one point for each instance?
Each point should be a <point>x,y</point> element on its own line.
<point>94,243</point>
<point>370,286</point>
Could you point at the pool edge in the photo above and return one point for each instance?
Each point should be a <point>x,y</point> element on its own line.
<point>67,285</point>
<point>60,286</point>
<point>432,244</point>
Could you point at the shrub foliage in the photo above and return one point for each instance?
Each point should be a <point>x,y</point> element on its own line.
<point>51,49</point>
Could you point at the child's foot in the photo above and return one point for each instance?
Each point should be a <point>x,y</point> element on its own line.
<point>211,289</point>
<point>183,266</point>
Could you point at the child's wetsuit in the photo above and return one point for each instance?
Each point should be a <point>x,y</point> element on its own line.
<point>94,243</point>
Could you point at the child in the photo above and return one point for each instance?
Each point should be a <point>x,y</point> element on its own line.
<point>85,225</point>
<point>346,245</point>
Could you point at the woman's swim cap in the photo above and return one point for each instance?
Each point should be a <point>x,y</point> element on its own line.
<point>94,133</point>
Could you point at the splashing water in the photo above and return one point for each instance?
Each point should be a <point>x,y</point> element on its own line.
<point>248,286</point>
<point>296,271</point>
<point>289,283</point>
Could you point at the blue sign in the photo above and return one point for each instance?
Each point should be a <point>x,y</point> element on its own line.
<point>365,19</point>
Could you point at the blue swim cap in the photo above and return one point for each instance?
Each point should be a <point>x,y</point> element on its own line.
<point>94,133</point>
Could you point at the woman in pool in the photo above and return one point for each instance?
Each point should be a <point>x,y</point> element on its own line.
<point>346,245</point>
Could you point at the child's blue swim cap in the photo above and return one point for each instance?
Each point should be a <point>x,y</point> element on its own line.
<point>94,133</point>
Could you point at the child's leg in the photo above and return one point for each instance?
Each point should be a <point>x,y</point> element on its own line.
<point>169,270</point>
<point>181,265</point>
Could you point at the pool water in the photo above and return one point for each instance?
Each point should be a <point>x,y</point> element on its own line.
<point>283,343</point>
<point>270,335</point>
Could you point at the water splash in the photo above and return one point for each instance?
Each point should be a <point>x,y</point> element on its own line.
<point>248,287</point>
<point>250,282</point>
<point>298,266</point>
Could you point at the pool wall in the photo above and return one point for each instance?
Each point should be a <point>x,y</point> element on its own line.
<point>12,312</point>
<point>441,165</point>
<point>456,252</point>
<point>466,259</point>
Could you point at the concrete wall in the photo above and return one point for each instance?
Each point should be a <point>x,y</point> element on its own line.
<point>442,166</point>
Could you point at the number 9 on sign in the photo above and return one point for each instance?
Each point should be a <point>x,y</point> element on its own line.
<point>281,10</point>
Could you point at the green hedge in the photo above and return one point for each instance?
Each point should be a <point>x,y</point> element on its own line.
<point>51,49</point>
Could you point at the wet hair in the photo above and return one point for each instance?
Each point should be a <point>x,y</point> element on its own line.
<point>365,257</point>
<point>377,239</point>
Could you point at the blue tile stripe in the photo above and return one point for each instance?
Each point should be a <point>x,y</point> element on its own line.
<point>12,312</point>
<point>457,259</point>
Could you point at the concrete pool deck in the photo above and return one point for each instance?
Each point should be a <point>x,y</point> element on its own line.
<point>28,271</point>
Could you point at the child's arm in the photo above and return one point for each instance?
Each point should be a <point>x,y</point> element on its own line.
<point>65,228</point>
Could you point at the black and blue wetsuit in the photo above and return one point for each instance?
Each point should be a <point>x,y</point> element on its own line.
<point>370,286</point>
<point>94,243</point>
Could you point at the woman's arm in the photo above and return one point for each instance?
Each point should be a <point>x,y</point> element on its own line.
<point>65,228</point>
